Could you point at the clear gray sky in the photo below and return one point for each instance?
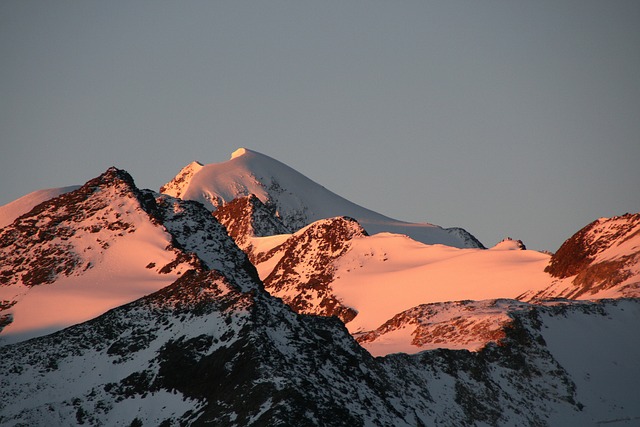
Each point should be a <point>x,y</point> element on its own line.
<point>508,118</point>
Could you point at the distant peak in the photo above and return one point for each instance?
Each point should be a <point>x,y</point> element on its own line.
<point>191,168</point>
<point>509,244</point>
<point>113,174</point>
<point>239,152</point>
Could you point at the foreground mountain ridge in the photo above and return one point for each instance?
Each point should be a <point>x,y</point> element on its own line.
<point>208,350</point>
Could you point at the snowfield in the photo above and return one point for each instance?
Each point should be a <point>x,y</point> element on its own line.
<point>385,274</point>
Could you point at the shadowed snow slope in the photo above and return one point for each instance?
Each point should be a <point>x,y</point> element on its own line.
<point>297,200</point>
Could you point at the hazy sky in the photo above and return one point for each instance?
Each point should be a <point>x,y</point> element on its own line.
<point>508,118</point>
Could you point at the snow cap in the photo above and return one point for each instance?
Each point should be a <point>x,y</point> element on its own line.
<point>239,152</point>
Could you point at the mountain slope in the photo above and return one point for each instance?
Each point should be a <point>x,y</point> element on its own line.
<point>297,200</point>
<point>12,210</point>
<point>247,217</point>
<point>210,349</point>
<point>369,279</point>
<point>397,292</point>
<point>602,260</point>
<point>468,325</point>
<point>75,256</point>
<point>303,267</point>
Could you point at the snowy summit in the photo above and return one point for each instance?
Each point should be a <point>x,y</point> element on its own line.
<point>297,199</point>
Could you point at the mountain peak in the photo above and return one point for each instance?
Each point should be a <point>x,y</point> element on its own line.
<point>509,244</point>
<point>600,239</point>
<point>111,175</point>
<point>298,201</point>
<point>176,186</point>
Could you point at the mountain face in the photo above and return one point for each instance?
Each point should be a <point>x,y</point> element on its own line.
<point>304,267</point>
<point>384,284</point>
<point>76,240</point>
<point>168,322</point>
<point>332,267</point>
<point>77,255</point>
<point>469,325</point>
<point>211,349</point>
<point>247,217</point>
<point>602,260</point>
<point>297,200</point>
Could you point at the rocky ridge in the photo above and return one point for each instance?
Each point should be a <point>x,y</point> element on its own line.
<point>468,325</point>
<point>247,217</point>
<point>304,269</point>
<point>601,260</point>
<point>74,236</point>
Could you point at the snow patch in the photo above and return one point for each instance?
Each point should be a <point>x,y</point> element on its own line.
<point>239,152</point>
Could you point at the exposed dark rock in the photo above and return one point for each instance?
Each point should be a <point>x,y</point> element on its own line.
<point>579,250</point>
<point>314,250</point>
<point>247,217</point>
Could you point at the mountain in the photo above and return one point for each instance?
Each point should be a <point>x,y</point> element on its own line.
<point>297,200</point>
<point>214,348</point>
<point>107,243</point>
<point>371,282</point>
<point>602,260</point>
<point>332,267</point>
<point>303,267</point>
<point>166,313</point>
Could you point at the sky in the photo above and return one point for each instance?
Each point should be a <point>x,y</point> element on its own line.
<point>507,118</point>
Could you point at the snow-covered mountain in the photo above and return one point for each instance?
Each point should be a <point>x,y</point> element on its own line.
<point>301,270</point>
<point>297,200</point>
<point>332,267</point>
<point>214,348</point>
<point>195,331</point>
<point>105,244</point>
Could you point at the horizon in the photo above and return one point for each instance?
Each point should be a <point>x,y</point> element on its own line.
<point>514,120</point>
